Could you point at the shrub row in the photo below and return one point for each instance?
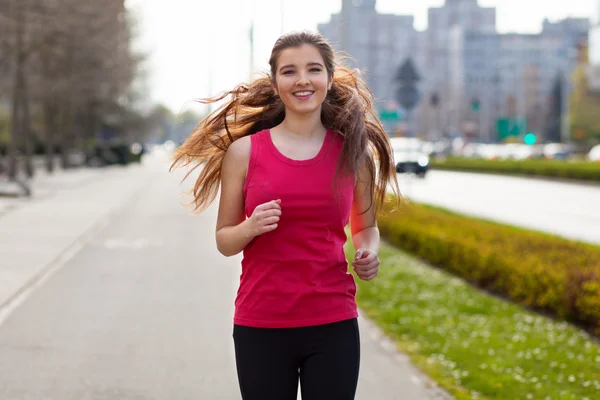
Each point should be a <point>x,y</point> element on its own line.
<point>577,170</point>
<point>538,270</point>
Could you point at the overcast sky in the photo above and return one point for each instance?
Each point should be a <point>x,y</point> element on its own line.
<point>200,47</point>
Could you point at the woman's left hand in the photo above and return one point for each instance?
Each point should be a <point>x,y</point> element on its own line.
<point>366,264</point>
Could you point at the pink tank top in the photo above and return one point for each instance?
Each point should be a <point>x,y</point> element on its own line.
<point>297,275</point>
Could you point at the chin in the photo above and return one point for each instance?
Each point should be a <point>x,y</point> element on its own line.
<point>305,109</point>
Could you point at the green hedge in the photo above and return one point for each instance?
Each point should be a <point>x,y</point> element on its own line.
<point>579,170</point>
<point>541,271</point>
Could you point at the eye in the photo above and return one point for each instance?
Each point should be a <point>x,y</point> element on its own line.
<point>315,70</point>
<point>288,72</point>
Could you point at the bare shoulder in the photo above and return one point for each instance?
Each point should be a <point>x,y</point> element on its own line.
<point>240,149</point>
<point>238,155</point>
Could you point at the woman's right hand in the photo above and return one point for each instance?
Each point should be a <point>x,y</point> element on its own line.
<point>264,218</point>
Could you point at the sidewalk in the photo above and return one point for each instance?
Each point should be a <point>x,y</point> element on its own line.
<point>69,208</point>
<point>35,231</point>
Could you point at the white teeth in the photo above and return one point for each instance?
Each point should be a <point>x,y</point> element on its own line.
<point>303,93</point>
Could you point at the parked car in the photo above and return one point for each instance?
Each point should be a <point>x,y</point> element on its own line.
<point>594,154</point>
<point>410,156</point>
<point>557,151</point>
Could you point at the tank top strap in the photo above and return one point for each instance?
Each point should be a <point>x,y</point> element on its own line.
<point>256,146</point>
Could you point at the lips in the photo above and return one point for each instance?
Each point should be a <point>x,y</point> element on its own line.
<point>304,94</point>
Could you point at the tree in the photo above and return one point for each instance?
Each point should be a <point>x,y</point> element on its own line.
<point>584,116</point>
<point>70,65</point>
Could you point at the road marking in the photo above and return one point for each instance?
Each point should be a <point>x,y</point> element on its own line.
<point>36,282</point>
<point>18,298</point>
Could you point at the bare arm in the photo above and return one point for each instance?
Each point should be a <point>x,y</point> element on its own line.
<point>363,225</point>
<point>234,231</point>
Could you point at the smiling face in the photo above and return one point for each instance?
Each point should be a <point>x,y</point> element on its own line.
<point>301,80</point>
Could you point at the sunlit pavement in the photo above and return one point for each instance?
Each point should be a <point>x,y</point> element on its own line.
<point>110,289</point>
<point>566,209</point>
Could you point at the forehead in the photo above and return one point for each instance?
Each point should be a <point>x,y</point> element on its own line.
<point>299,56</point>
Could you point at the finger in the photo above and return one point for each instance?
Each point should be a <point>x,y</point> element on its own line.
<point>359,254</point>
<point>273,204</point>
<point>269,228</point>
<point>368,277</point>
<point>366,271</point>
<point>270,220</point>
<point>271,213</point>
<point>365,261</point>
<point>371,258</point>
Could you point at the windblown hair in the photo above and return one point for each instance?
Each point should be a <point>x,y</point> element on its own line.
<point>347,110</point>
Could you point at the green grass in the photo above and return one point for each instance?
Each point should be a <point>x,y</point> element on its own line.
<point>473,344</point>
<point>574,170</point>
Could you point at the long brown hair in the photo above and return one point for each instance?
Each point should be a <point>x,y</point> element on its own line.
<point>347,110</point>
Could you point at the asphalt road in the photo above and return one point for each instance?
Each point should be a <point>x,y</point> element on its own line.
<point>144,311</point>
<point>571,210</point>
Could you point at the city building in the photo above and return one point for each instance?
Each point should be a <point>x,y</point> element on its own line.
<point>594,49</point>
<point>377,44</point>
<point>511,77</point>
<point>470,17</point>
<point>530,65</point>
<point>472,77</point>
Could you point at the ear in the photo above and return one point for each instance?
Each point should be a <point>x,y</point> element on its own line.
<point>274,89</point>
<point>330,84</point>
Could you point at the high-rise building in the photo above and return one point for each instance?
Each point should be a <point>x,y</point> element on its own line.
<point>474,80</point>
<point>469,17</point>
<point>530,65</point>
<point>477,76</point>
<point>495,76</point>
<point>594,49</point>
<point>377,43</point>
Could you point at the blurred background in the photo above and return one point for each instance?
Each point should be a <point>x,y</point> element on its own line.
<point>489,79</point>
<point>493,110</point>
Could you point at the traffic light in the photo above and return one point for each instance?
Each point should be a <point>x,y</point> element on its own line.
<point>530,138</point>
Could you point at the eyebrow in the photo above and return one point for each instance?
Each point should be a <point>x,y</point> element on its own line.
<point>311,64</point>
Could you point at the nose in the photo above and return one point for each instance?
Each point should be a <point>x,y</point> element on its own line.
<point>302,79</point>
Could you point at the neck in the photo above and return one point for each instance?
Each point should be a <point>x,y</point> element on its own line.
<point>306,125</point>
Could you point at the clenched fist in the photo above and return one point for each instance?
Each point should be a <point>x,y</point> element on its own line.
<point>366,264</point>
<point>264,218</point>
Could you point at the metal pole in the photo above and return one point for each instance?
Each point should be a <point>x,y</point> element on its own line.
<point>564,136</point>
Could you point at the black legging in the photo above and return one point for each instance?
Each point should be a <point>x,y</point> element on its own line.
<point>324,358</point>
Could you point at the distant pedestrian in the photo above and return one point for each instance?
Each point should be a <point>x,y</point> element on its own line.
<point>298,154</point>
